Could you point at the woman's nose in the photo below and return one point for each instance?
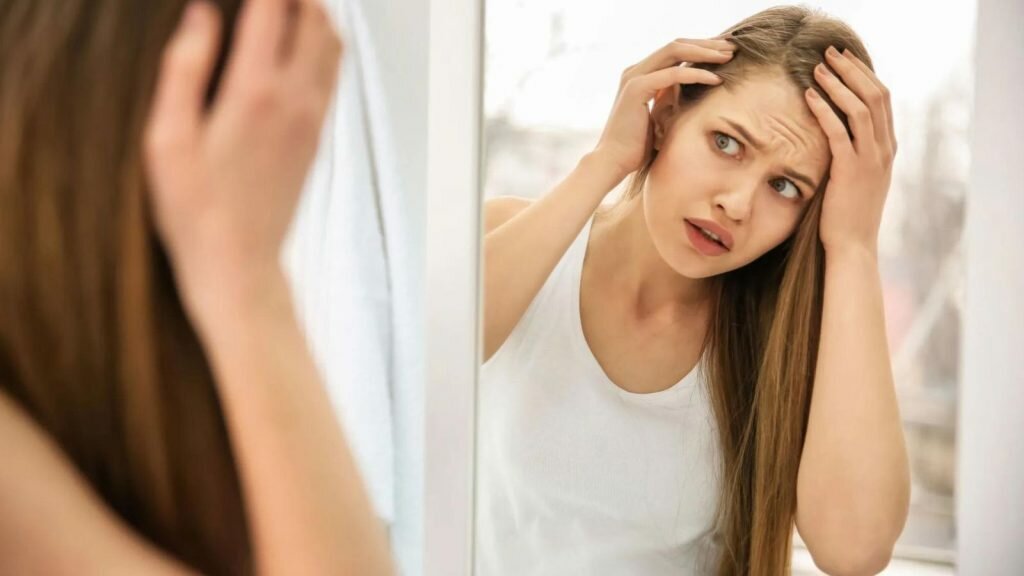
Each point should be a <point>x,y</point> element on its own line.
<point>737,202</point>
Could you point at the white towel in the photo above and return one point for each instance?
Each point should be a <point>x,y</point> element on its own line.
<point>403,205</point>
<point>337,258</point>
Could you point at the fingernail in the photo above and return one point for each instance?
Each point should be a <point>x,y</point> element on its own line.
<point>823,70</point>
<point>833,52</point>
<point>813,94</point>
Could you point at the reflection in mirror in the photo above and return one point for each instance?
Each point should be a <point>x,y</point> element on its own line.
<point>723,317</point>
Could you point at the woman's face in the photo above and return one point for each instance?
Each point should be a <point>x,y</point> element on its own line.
<point>748,158</point>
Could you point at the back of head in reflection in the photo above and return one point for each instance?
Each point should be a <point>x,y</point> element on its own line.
<point>94,343</point>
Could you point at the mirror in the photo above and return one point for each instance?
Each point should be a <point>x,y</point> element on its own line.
<point>599,432</point>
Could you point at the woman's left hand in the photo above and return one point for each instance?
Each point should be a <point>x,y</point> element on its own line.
<point>862,167</point>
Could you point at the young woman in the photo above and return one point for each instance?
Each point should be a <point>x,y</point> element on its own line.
<point>646,403</point>
<point>159,410</point>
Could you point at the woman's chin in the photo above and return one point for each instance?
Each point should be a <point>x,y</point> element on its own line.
<point>696,271</point>
<point>692,265</point>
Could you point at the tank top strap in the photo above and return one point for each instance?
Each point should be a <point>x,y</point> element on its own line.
<point>548,314</point>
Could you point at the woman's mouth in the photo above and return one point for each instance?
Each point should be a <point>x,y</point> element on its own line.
<point>704,241</point>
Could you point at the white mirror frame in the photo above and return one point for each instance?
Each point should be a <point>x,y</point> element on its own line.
<point>452,282</point>
<point>990,460</point>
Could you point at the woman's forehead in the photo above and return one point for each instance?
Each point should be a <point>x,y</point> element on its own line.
<point>772,111</point>
<point>762,97</point>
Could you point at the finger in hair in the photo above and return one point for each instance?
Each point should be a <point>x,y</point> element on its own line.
<point>185,73</point>
<point>857,112</point>
<point>838,138</point>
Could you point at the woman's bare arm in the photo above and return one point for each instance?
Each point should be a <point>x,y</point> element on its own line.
<point>853,488</point>
<point>51,521</point>
<point>311,513</point>
<point>522,250</point>
<point>309,510</point>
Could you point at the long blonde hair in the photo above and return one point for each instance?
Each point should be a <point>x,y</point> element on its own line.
<point>762,342</point>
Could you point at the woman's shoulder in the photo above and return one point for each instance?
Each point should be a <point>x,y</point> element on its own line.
<point>501,209</point>
<point>53,521</point>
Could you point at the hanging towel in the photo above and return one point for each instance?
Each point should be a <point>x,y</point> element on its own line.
<point>402,204</point>
<point>337,259</point>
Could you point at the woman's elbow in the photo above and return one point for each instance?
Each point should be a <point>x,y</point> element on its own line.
<point>853,560</point>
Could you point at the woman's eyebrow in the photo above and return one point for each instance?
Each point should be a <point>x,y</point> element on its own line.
<point>759,146</point>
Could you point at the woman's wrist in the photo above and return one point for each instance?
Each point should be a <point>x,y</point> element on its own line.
<point>601,164</point>
<point>858,252</point>
<point>220,304</point>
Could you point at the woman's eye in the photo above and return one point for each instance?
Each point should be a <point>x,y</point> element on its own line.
<point>783,186</point>
<point>780,184</point>
<point>722,141</point>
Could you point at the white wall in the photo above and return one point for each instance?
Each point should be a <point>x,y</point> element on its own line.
<point>990,483</point>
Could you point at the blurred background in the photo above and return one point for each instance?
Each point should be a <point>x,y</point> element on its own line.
<point>551,73</point>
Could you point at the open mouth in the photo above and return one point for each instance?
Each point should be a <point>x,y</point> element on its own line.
<point>707,235</point>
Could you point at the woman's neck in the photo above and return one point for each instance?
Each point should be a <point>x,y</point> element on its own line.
<point>624,260</point>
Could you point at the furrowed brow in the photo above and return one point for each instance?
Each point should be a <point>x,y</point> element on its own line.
<point>759,146</point>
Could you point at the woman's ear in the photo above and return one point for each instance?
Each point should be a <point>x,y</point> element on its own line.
<point>664,112</point>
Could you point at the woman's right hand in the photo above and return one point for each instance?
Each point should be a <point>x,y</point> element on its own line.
<point>225,180</point>
<point>628,134</point>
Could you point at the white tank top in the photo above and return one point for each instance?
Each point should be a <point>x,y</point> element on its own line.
<point>575,474</point>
